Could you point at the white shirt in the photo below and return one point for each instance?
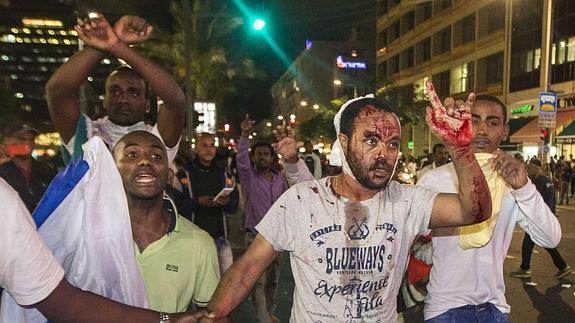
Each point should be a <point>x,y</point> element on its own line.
<point>28,270</point>
<point>346,268</point>
<point>111,133</point>
<point>475,276</point>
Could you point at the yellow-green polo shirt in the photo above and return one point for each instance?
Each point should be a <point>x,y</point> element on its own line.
<point>180,268</point>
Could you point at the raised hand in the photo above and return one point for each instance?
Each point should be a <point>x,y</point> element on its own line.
<point>132,29</point>
<point>286,144</point>
<point>510,169</point>
<point>97,32</point>
<point>451,122</point>
<point>246,126</point>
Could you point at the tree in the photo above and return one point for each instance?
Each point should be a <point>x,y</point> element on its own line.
<point>320,125</point>
<point>215,69</point>
<point>405,102</point>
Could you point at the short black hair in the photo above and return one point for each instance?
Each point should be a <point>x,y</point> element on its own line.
<point>494,99</point>
<point>125,69</point>
<point>262,143</point>
<point>352,110</point>
<point>437,146</point>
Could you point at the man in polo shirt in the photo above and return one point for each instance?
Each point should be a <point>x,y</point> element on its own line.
<point>177,259</point>
<point>262,186</point>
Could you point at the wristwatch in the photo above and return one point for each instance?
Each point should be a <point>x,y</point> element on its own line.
<point>164,317</point>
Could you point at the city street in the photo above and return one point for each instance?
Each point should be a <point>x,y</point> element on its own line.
<point>539,299</point>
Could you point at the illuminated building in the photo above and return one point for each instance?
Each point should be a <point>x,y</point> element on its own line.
<point>468,46</point>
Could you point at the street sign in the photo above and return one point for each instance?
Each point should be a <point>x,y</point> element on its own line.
<point>547,110</point>
<point>546,149</point>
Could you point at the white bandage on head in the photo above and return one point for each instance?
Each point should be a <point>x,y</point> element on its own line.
<point>337,156</point>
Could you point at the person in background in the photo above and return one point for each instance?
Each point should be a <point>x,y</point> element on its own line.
<point>205,179</point>
<point>312,161</point>
<point>547,190</point>
<point>27,176</point>
<point>262,185</point>
<point>440,158</point>
<point>566,172</point>
<point>126,93</point>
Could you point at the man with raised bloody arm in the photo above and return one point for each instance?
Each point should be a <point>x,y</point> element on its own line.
<point>349,235</point>
<point>466,281</point>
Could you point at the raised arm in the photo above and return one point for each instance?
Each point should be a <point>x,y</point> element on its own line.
<point>171,116</point>
<point>295,169</point>
<point>239,280</point>
<point>452,125</point>
<point>243,155</point>
<point>62,89</point>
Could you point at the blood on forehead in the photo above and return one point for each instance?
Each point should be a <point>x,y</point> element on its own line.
<point>378,122</point>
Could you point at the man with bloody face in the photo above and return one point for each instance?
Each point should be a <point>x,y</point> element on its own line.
<point>349,235</point>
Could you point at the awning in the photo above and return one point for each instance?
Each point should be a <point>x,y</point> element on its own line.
<point>568,131</point>
<point>532,133</point>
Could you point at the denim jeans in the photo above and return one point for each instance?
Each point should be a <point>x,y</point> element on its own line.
<point>482,313</point>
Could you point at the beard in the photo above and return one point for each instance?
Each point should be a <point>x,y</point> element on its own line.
<point>361,171</point>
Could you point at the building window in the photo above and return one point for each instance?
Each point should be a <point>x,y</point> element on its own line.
<point>423,51</point>
<point>382,7</point>
<point>464,31</point>
<point>494,68</point>
<point>442,41</point>
<point>393,65</point>
<point>392,3</point>
<point>422,12</point>
<point>441,82</point>
<point>382,72</point>
<point>407,58</point>
<point>462,78</point>
<point>491,18</point>
<point>419,86</point>
<point>382,39</point>
<point>407,22</point>
<point>440,5</point>
<point>393,31</point>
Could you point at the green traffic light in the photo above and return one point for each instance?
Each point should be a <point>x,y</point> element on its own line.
<point>258,24</point>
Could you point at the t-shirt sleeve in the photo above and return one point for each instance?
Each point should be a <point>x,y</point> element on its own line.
<point>279,225</point>
<point>208,275</point>
<point>28,270</point>
<point>171,152</point>
<point>422,200</point>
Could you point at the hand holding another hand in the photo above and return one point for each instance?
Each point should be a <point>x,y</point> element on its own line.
<point>132,29</point>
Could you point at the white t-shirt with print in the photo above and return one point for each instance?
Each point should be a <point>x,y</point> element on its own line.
<point>346,272</point>
<point>28,270</point>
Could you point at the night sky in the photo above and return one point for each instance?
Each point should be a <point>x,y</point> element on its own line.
<point>289,24</point>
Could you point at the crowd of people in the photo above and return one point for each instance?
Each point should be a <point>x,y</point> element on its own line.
<point>349,236</point>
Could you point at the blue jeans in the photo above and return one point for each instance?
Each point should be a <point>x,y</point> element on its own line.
<point>482,313</point>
